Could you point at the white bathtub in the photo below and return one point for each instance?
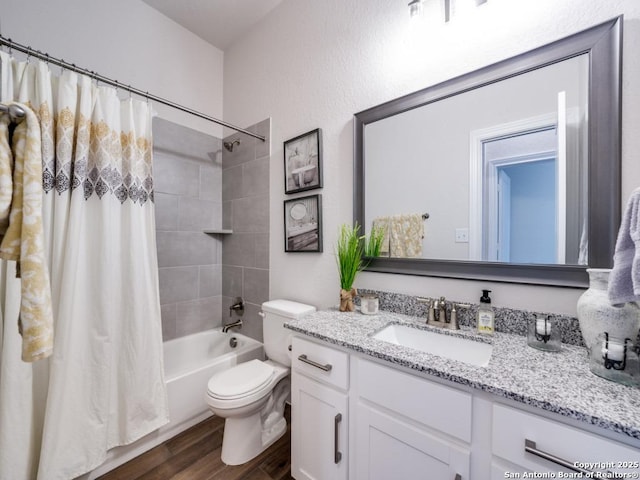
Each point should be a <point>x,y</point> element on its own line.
<point>189,362</point>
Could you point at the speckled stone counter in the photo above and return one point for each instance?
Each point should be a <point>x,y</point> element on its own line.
<point>556,382</point>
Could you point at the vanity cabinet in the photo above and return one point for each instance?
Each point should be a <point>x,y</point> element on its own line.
<point>363,419</point>
<point>403,426</point>
<point>319,412</point>
<point>513,430</point>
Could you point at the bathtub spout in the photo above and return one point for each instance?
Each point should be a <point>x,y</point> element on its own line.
<point>228,326</point>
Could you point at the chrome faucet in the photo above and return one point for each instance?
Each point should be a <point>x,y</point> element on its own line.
<point>441,307</point>
<point>437,313</point>
<point>238,307</point>
<point>228,326</point>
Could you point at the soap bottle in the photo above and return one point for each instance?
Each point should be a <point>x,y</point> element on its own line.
<point>485,318</point>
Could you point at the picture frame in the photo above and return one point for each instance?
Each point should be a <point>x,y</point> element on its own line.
<point>303,162</point>
<point>303,224</point>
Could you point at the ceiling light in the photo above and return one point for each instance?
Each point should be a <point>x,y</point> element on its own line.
<point>449,7</point>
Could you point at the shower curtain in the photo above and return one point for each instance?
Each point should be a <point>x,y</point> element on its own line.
<point>103,385</point>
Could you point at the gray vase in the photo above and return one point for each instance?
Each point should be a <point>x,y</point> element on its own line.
<point>596,315</point>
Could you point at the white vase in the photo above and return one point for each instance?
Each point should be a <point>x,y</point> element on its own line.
<point>596,315</point>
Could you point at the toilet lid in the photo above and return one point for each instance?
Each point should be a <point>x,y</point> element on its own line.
<point>240,380</point>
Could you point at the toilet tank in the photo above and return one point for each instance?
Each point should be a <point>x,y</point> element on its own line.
<point>276,338</point>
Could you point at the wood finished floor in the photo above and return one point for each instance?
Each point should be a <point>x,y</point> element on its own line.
<point>195,455</point>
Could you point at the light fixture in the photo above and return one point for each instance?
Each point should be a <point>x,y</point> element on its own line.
<point>449,7</point>
<point>415,8</point>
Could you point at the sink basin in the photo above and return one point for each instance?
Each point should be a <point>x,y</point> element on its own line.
<point>448,346</point>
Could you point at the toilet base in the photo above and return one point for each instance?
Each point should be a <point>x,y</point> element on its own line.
<point>242,443</point>
<point>247,437</point>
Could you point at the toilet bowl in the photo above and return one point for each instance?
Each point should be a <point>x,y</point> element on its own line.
<point>251,396</point>
<point>244,395</point>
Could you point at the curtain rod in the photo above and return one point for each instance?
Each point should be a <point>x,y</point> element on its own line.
<point>114,83</point>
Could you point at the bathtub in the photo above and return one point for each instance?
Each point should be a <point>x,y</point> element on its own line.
<point>189,363</point>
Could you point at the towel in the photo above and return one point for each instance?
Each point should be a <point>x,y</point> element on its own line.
<point>624,279</point>
<point>405,235</point>
<point>24,239</point>
<point>6,174</point>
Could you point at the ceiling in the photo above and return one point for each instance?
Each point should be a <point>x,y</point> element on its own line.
<point>219,22</point>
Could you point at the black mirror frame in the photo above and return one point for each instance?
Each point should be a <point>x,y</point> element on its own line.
<point>603,44</point>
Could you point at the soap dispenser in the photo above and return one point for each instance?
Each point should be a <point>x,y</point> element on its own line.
<point>485,318</point>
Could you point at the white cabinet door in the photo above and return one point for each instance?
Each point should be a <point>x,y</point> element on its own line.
<point>319,425</point>
<point>387,448</point>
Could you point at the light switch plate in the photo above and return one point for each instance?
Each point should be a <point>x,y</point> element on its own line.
<point>462,235</point>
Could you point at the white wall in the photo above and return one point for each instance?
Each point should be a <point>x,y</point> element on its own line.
<point>314,64</point>
<point>130,42</point>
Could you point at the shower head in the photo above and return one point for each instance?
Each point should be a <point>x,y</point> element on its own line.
<point>229,145</point>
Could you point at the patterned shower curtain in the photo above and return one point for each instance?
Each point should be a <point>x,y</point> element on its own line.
<point>103,384</point>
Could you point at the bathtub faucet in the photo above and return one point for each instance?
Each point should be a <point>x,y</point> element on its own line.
<point>237,306</point>
<point>228,326</point>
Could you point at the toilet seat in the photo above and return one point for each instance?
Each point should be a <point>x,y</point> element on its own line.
<point>257,388</point>
<point>240,381</point>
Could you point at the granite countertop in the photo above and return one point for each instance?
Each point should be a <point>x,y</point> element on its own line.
<point>557,382</point>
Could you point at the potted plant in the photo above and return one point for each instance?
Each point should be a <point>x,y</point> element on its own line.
<point>351,252</point>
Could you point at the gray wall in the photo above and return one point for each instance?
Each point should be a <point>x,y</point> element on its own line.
<point>188,200</point>
<point>201,186</point>
<point>245,253</point>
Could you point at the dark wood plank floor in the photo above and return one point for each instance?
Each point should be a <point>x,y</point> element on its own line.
<point>195,455</point>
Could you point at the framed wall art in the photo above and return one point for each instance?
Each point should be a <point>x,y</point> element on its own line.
<point>303,224</point>
<point>303,162</point>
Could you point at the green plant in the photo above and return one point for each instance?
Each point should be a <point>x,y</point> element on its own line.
<point>352,250</point>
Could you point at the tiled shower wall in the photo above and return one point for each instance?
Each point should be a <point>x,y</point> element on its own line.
<point>201,186</point>
<point>245,253</point>
<point>188,200</point>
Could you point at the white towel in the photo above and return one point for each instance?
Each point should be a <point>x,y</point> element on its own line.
<point>624,279</point>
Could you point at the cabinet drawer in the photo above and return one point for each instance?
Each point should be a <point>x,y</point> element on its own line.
<point>321,362</point>
<point>416,398</point>
<point>511,427</point>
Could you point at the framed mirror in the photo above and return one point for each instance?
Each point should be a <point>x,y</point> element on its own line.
<point>516,166</point>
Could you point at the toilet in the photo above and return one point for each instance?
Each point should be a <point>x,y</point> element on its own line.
<point>251,395</point>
